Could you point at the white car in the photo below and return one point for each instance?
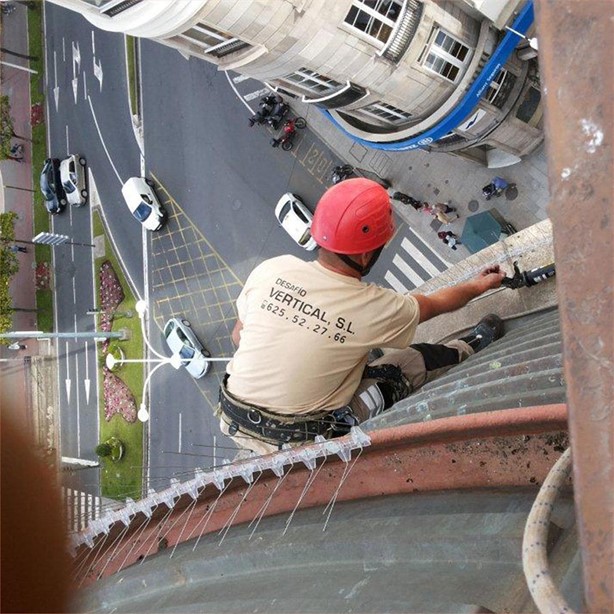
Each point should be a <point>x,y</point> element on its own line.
<point>185,344</point>
<point>295,219</point>
<point>72,175</point>
<point>143,203</point>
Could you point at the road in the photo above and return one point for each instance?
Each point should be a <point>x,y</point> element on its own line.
<point>87,98</point>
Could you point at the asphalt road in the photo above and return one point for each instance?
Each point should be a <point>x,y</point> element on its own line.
<point>88,114</point>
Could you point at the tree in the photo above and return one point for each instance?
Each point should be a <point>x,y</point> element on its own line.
<point>9,265</point>
<point>7,131</point>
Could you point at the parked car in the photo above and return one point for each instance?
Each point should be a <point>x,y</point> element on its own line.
<point>295,219</point>
<point>183,342</point>
<point>51,186</point>
<point>72,173</point>
<point>138,192</point>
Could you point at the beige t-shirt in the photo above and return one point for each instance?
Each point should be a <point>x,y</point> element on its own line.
<point>307,332</point>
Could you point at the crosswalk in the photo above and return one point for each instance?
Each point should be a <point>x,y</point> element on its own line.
<point>413,263</point>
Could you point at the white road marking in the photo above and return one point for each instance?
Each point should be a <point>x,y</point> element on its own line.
<point>67,149</point>
<point>63,50</point>
<point>67,380</point>
<point>74,292</point>
<point>56,89</point>
<point>78,406</point>
<point>419,257</point>
<point>94,302</point>
<point>98,72</point>
<point>76,55</point>
<point>257,94</point>
<point>75,321</point>
<point>84,86</point>
<point>179,448</point>
<point>446,262</point>
<point>102,140</point>
<point>239,78</point>
<point>232,85</point>
<point>86,381</point>
<point>407,270</point>
<point>395,283</point>
<point>93,44</point>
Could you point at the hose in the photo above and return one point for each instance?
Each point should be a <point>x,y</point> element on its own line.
<point>534,555</point>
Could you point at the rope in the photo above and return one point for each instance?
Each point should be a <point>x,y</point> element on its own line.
<point>534,555</point>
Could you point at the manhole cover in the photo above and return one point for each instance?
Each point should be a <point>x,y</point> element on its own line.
<point>474,205</point>
<point>436,225</point>
<point>511,193</point>
<point>236,205</point>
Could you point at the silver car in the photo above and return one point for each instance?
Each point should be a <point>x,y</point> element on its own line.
<point>184,343</point>
<point>72,174</point>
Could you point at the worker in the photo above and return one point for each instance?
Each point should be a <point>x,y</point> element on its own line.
<point>305,330</point>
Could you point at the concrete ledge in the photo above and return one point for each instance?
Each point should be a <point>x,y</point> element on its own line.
<point>532,247</point>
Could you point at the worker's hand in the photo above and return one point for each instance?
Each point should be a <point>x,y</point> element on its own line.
<point>491,277</point>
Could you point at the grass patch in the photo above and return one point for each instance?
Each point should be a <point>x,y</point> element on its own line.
<point>44,306</point>
<point>42,253</point>
<point>123,478</point>
<point>133,82</point>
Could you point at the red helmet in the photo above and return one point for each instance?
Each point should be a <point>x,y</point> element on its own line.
<point>353,217</point>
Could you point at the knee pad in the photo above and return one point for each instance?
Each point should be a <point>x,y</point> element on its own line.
<point>373,400</point>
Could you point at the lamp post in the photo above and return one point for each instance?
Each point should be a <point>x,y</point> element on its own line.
<point>175,360</point>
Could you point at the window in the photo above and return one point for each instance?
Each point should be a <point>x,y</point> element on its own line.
<point>312,82</point>
<point>385,112</point>
<point>212,41</point>
<point>499,88</point>
<point>375,18</point>
<point>446,56</point>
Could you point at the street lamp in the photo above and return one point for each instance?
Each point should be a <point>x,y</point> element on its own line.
<point>175,360</point>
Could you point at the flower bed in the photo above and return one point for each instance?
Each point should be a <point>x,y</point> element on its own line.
<point>111,295</point>
<point>43,276</point>
<point>117,398</point>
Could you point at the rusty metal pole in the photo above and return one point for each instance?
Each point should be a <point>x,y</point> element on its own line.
<point>575,54</point>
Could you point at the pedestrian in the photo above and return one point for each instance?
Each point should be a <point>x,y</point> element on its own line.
<point>18,248</point>
<point>444,213</point>
<point>449,238</point>
<point>305,329</point>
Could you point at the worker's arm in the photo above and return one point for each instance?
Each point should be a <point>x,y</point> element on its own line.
<point>236,333</point>
<point>451,299</point>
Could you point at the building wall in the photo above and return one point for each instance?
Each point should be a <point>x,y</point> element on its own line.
<point>277,38</point>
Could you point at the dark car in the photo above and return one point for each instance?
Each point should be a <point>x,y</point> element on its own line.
<point>51,186</point>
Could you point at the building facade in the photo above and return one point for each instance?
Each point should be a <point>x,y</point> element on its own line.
<point>386,71</point>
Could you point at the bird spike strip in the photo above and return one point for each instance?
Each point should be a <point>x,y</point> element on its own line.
<point>245,468</point>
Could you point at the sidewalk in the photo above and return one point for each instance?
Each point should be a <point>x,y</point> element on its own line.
<point>439,177</point>
<point>16,195</point>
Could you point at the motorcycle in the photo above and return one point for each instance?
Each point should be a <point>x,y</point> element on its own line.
<point>278,112</point>
<point>289,132</point>
<point>406,199</point>
<point>342,172</point>
<point>265,108</point>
